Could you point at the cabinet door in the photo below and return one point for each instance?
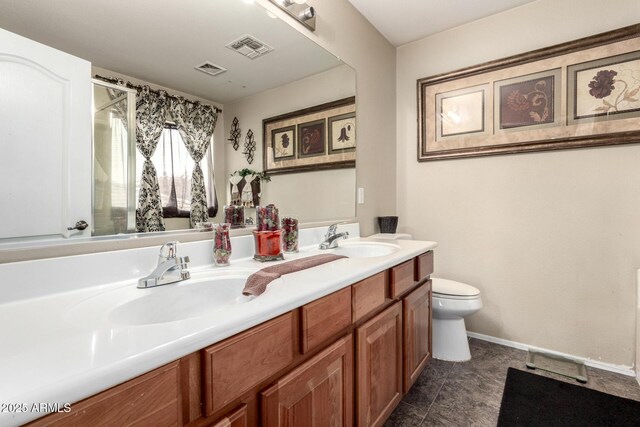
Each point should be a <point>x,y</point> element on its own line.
<point>318,393</point>
<point>237,418</point>
<point>379,367</point>
<point>45,139</point>
<point>417,332</point>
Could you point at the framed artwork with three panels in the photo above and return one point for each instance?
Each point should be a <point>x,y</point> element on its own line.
<point>314,138</point>
<point>583,93</point>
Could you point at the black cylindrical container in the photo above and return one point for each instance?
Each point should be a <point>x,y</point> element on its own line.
<point>388,224</point>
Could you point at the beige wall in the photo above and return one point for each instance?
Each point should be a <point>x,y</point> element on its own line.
<point>551,239</point>
<point>312,196</point>
<point>345,33</point>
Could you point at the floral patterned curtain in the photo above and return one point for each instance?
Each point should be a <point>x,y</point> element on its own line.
<point>151,110</point>
<point>196,123</point>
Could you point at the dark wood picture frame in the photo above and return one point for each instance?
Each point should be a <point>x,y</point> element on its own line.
<point>562,133</point>
<point>302,161</point>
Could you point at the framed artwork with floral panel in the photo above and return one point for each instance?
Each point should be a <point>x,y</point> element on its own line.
<point>303,140</point>
<point>531,101</point>
<point>605,89</point>
<point>283,142</point>
<point>342,132</point>
<point>312,138</point>
<point>583,93</point>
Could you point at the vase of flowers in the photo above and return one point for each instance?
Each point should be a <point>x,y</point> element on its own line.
<point>289,234</point>
<point>221,244</point>
<point>267,234</point>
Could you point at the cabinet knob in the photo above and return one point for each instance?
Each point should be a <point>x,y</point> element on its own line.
<point>80,225</point>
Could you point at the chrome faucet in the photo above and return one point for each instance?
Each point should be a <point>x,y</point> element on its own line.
<point>331,238</point>
<point>171,268</point>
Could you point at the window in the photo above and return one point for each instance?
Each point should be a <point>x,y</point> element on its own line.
<point>174,167</point>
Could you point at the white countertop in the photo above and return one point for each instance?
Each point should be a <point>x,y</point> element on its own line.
<point>53,352</point>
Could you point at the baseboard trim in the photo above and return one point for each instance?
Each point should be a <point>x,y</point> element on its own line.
<point>618,369</point>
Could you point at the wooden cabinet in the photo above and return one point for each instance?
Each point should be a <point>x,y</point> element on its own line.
<point>423,266</point>
<point>318,393</point>
<point>237,364</point>
<point>379,367</point>
<point>369,294</point>
<point>283,372</point>
<point>416,308</point>
<point>324,318</point>
<point>151,399</point>
<point>402,278</point>
<point>237,418</point>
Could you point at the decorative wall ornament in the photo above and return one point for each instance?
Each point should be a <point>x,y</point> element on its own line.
<point>520,104</point>
<point>249,146</point>
<point>318,137</point>
<point>235,133</point>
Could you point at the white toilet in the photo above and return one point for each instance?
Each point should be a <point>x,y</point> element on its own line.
<point>452,302</point>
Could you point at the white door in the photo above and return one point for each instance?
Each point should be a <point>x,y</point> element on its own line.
<point>45,140</point>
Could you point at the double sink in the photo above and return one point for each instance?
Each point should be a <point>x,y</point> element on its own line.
<point>206,292</point>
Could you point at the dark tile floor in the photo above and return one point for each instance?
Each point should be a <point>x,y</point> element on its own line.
<point>469,393</point>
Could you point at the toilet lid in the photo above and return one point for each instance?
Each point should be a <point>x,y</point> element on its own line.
<point>392,236</point>
<point>451,287</point>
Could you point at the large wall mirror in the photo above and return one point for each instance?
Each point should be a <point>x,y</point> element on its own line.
<point>159,43</point>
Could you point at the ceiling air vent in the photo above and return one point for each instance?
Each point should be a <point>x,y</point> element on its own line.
<point>210,68</point>
<point>249,46</point>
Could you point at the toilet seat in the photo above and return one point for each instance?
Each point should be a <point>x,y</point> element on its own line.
<point>450,289</point>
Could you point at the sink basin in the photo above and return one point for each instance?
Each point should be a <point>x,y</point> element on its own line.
<point>195,297</point>
<point>180,301</point>
<point>364,249</point>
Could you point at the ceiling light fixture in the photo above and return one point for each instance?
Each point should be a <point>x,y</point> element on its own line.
<point>299,10</point>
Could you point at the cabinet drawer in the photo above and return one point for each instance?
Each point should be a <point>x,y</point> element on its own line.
<point>239,363</point>
<point>237,418</point>
<point>151,399</point>
<point>401,278</point>
<point>369,294</point>
<point>324,318</point>
<point>424,265</point>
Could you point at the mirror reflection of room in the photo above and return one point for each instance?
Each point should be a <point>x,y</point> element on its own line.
<point>147,174</point>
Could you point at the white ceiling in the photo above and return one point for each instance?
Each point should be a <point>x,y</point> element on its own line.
<point>160,41</point>
<point>407,20</point>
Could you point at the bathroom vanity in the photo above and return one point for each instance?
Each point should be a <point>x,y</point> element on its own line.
<point>339,343</point>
